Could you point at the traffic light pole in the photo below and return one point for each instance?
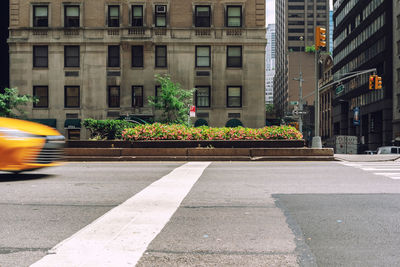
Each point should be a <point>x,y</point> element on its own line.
<point>300,79</point>
<point>316,141</point>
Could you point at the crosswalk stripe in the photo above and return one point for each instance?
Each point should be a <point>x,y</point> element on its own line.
<point>122,235</point>
<point>378,168</point>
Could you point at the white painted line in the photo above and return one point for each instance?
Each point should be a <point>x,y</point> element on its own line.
<point>122,235</point>
<point>392,175</point>
<point>380,169</point>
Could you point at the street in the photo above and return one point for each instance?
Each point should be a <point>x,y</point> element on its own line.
<point>202,214</point>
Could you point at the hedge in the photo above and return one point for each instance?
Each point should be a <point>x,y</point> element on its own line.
<point>106,129</point>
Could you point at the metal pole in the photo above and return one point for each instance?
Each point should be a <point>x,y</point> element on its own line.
<point>301,102</point>
<point>300,79</point>
<point>316,141</point>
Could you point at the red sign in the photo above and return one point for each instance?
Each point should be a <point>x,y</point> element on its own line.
<point>192,111</point>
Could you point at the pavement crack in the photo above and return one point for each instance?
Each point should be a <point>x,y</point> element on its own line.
<point>229,207</point>
<point>11,250</point>
<point>227,253</point>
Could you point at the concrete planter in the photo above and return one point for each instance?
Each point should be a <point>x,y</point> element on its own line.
<point>188,144</point>
<point>242,150</point>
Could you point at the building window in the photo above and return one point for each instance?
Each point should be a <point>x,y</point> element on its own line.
<point>71,56</point>
<point>234,97</point>
<point>398,22</point>
<point>398,75</point>
<point>202,16</point>
<point>398,48</point>
<point>202,96</point>
<point>113,56</point>
<point>40,16</point>
<point>137,96</point>
<point>161,56</point>
<point>41,93</point>
<point>137,16</point>
<point>160,16</point>
<point>157,93</point>
<point>137,56</point>
<point>234,16</point>
<point>113,96</point>
<point>113,16</point>
<point>74,134</point>
<point>40,56</point>
<point>71,16</point>
<point>234,57</point>
<point>203,56</point>
<point>71,97</point>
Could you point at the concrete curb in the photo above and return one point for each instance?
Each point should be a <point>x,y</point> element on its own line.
<point>366,158</point>
<point>198,154</point>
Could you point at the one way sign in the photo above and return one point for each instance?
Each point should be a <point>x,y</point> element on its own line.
<point>299,112</point>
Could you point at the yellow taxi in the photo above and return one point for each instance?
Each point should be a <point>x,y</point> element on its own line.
<point>26,145</point>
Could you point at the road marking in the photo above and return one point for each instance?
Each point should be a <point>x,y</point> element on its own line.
<point>122,235</point>
<point>379,168</point>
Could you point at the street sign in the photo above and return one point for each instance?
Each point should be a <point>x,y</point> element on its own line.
<point>192,111</point>
<point>339,89</point>
<point>356,116</point>
<point>298,112</point>
<point>294,103</point>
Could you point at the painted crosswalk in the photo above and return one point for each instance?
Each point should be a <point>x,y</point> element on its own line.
<point>120,237</point>
<point>389,169</point>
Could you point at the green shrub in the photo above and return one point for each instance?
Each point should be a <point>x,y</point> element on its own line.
<point>106,129</point>
<point>158,131</point>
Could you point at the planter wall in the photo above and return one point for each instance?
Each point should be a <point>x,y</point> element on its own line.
<point>188,144</point>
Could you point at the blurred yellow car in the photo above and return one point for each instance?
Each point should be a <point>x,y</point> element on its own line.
<point>26,145</point>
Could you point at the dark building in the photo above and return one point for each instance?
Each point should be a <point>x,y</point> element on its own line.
<point>363,40</point>
<point>5,62</point>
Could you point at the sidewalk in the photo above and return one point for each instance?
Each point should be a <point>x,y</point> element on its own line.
<point>367,158</point>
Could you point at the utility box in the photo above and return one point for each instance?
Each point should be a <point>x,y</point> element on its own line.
<point>343,144</point>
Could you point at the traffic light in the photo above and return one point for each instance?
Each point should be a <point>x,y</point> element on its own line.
<point>371,82</point>
<point>378,82</point>
<point>320,37</point>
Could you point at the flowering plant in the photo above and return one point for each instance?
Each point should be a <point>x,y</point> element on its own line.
<point>158,131</point>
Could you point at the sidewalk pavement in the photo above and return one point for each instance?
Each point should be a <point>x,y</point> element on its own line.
<point>367,158</point>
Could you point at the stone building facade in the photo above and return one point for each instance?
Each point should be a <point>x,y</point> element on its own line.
<point>97,59</point>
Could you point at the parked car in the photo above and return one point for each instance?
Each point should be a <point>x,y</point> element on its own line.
<point>26,145</point>
<point>388,150</point>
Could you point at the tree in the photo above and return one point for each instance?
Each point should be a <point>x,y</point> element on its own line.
<point>310,49</point>
<point>11,101</point>
<point>172,100</point>
<point>269,108</point>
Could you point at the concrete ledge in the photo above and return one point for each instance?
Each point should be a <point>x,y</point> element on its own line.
<point>197,154</point>
<point>213,152</point>
<point>257,152</point>
<point>153,152</point>
<point>187,144</point>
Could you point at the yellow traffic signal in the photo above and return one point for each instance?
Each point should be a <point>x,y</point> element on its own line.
<point>371,82</point>
<point>378,82</point>
<point>320,37</point>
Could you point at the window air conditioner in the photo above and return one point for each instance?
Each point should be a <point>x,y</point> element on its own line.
<point>161,9</point>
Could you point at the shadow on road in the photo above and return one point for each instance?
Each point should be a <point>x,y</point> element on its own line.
<point>12,177</point>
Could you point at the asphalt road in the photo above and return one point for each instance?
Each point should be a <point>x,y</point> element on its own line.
<point>236,214</point>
